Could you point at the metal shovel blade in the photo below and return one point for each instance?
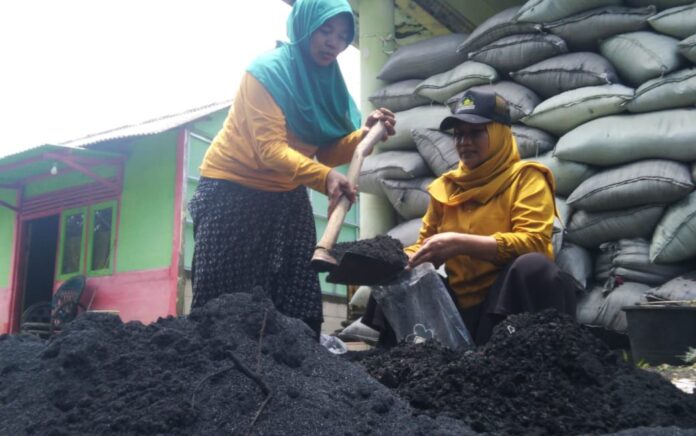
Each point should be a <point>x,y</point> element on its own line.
<point>359,269</point>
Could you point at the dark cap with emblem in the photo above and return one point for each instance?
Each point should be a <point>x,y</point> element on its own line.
<point>478,107</point>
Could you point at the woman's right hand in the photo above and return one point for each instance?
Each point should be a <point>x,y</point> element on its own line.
<point>385,116</point>
<point>337,186</point>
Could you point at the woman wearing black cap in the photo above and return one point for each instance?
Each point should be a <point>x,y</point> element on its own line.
<point>490,222</point>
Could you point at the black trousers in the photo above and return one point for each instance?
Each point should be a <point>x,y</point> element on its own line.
<point>530,283</point>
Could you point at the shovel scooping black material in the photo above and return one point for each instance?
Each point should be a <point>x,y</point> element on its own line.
<point>354,264</point>
<point>374,261</point>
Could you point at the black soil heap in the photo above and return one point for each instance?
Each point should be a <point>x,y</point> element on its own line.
<point>209,374</point>
<point>540,374</point>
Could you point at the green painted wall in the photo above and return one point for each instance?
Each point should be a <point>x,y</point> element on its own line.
<point>147,206</point>
<point>7,221</point>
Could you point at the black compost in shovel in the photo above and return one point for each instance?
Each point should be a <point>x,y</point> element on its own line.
<point>356,263</point>
<point>374,261</point>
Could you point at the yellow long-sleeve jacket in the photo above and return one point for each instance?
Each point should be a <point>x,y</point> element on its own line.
<point>254,147</point>
<point>520,219</point>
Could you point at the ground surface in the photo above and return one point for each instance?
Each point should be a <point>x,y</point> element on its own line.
<point>179,377</point>
<point>540,375</point>
<point>211,373</point>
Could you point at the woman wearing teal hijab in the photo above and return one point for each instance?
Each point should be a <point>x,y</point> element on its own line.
<point>291,121</point>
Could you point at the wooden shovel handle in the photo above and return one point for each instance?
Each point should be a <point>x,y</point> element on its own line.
<point>333,227</point>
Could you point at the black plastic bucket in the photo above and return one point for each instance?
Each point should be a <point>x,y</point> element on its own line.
<point>661,334</point>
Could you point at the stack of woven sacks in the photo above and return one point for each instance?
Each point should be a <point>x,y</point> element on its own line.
<point>603,93</point>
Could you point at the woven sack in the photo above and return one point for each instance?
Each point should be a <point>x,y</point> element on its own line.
<point>564,112</point>
<point>674,90</point>
<point>619,139</point>
<point>641,56</point>
<point>650,181</point>
<point>399,96</point>
<point>590,229</point>
<point>584,31</point>
<point>565,72</point>
<point>568,174</point>
<point>441,87</point>
<point>390,165</point>
<point>424,58</point>
<point>542,11</point>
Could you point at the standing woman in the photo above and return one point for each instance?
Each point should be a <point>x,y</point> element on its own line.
<point>253,222</point>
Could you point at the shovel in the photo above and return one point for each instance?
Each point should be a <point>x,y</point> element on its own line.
<point>353,268</point>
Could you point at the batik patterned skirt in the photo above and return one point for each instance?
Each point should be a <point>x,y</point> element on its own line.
<point>246,237</point>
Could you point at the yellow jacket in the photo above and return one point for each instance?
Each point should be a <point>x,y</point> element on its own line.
<point>520,219</point>
<point>255,149</point>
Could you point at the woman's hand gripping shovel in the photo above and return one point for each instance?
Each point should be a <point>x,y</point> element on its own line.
<point>352,268</point>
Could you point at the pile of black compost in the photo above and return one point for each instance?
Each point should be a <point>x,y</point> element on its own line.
<point>234,366</point>
<point>541,374</point>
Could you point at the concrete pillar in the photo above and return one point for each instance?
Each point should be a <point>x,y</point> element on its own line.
<point>376,31</point>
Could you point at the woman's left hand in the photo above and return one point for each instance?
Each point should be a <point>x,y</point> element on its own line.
<point>437,249</point>
<point>384,115</point>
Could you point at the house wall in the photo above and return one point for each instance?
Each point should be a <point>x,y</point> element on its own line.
<point>7,230</point>
<point>142,286</point>
<point>147,205</point>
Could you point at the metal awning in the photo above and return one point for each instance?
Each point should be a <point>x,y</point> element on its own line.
<point>46,161</point>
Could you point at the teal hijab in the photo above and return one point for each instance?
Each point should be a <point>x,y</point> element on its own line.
<point>315,101</point>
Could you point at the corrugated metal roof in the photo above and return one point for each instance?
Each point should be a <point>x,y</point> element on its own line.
<point>150,127</point>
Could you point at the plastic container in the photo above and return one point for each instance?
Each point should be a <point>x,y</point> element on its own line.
<point>661,333</point>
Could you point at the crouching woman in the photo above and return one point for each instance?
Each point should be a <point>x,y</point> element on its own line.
<point>490,222</point>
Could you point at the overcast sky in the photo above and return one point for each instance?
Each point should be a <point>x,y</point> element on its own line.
<point>75,67</point>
